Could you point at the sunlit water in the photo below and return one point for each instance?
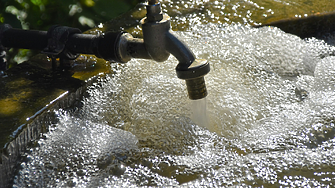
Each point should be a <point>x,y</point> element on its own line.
<point>187,12</point>
<point>270,110</point>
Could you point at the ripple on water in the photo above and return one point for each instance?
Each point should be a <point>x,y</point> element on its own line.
<point>270,114</point>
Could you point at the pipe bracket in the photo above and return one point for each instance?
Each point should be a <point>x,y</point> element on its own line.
<point>57,38</point>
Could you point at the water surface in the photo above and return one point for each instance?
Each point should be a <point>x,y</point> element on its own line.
<point>270,115</point>
<point>270,108</point>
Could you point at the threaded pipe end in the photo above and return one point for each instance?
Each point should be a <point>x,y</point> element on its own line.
<point>196,88</point>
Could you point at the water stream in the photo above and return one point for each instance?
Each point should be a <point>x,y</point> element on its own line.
<point>270,119</point>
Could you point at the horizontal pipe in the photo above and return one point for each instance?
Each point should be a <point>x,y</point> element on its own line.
<point>82,43</point>
<point>26,39</point>
<point>136,49</point>
<point>114,46</point>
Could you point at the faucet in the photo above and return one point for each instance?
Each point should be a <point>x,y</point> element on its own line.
<point>157,44</point>
<point>160,41</point>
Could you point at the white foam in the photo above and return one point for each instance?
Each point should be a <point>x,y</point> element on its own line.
<point>270,116</point>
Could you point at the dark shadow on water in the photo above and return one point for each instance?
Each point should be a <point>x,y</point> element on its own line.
<point>320,26</point>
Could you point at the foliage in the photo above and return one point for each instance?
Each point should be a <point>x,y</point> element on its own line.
<point>41,14</point>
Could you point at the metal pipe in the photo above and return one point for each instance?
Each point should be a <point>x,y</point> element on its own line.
<point>82,43</point>
<point>68,43</point>
<point>27,39</point>
<point>136,48</point>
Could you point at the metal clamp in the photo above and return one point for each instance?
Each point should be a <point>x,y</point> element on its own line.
<point>58,36</point>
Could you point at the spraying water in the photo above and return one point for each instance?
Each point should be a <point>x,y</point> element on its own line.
<point>269,119</point>
<point>199,112</point>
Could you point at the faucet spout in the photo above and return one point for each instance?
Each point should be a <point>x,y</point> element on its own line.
<point>190,69</point>
<point>178,49</point>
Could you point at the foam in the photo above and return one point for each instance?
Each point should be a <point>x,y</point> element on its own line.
<point>270,119</point>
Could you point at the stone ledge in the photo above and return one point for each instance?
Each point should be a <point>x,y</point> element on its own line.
<point>23,125</point>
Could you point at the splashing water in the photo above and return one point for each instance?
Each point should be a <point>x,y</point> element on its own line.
<point>199,112</point>
<point>270,113</point>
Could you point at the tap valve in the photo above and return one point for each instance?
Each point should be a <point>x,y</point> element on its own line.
<point>160,42</point>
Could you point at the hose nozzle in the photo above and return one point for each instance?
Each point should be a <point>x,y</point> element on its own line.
<point>196,88</point>
<point>194,77</point>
